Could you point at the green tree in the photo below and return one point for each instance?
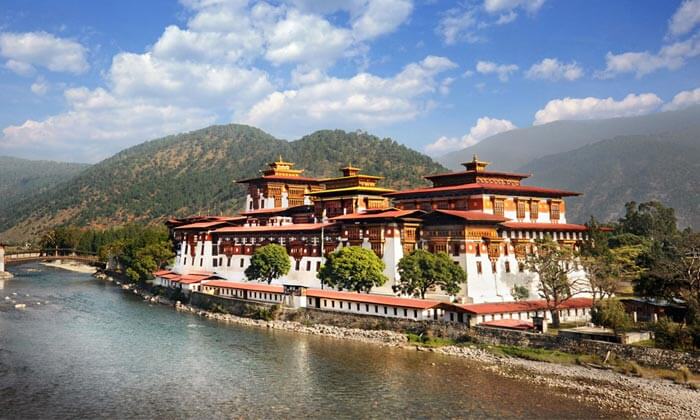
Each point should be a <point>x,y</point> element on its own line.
<point>652,220</point>
<point>420,271</point>
<point>610,313</point>
<point>353,268</point>
<point>268,263</point>
<point>519,292</point>
<point>553,264</point>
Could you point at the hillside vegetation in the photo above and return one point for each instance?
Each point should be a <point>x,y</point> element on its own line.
<point>195,172</point>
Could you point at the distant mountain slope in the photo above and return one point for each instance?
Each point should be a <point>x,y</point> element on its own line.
<point>609,173</point>
<point>195,172</point>
<point>513,149</point>
<point>20,178</point>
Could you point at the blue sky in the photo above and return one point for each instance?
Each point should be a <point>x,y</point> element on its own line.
<point>83,79</point>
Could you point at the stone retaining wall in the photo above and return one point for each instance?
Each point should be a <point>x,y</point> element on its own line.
<point>647,356</point>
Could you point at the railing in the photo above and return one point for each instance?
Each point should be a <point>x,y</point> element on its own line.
<point>53,253</point>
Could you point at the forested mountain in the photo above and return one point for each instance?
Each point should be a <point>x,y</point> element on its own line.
<point>21,178</point>
<point>609,173</point>
<point>195,172</point>
<point>516,148</point>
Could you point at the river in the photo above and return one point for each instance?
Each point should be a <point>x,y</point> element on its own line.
<point>84,348</point>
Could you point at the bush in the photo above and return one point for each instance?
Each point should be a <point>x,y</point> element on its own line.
<point>670,335</point>
<point>610,313</point>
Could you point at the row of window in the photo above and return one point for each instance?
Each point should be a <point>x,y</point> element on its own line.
<point>370,309</point>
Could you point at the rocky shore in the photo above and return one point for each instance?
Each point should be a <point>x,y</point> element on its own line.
<point>636,396</point>
<point>71,266</point>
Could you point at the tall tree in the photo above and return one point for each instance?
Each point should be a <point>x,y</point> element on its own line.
<point>420,271</point>
<point>268,263</point>
<point>353,268</point>
<point>554,265</point>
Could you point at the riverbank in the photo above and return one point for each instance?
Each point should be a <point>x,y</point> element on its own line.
<point>71,266</point>
<point>636,396</point>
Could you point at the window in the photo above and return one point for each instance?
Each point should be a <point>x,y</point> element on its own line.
<point>376,309</point>
<point>201,261</point>
<point>478,250</point>
<point>522,206</point>
<point>332,304</point>
<point>455,250</point>
<point>366,307</point>
<point>358,306</point>
<point>493,266</point>
<point>228,263</point>
<point>507,266</point>
<point>296,265</point>
<point>405,312</point>
<point>184,261</point>
<point>216,262</point>
<point>341,304</point>
<point>554,211</point>
<point>415,313</point>
<point>325,302</point>
<point>308,266</point>
<point>395,311</point>
<point>498,208</point>
<point>242,262</point>
<point>521,267</point>
<point>318,265</point>
<point>385,310</point>
<point>478,267</point>
<point>534,209</point>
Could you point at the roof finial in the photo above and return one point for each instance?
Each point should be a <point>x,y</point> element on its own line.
<point>475,158</point>
<point>280,159</point>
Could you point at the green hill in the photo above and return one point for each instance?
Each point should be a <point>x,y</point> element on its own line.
<point>21,178</point>
<point>609,173</point>
<point>194,172</point>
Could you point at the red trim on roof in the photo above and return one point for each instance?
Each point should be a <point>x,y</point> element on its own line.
<point>273,210</point>
<point>389,214</point>
<point>482,173</point>
<point>512,324</point>
<point>375,299</point>
<point>545,226</point>
<point>281,178</point>
<point>206,225</point>
<point>254,287</point>
<point>480,187</point>
<point>472,215</point>
<point>295,227</point>
<point>523,306</point>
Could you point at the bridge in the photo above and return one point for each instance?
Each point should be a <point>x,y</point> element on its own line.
<point>25,256</point>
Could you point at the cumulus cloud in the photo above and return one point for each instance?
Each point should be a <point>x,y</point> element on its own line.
<point>364,99</point>
<point>685,19</point>
<point>592,108</point>
<point>39,87</point>
<point>502,70</point>
<point>500,6</point>
<point>553,69</point>
<point>25,51</point>
<point>484,127</point>
<point>458,25</point>
<point>671,57</point>
<point>683,100</point>
<point>105,121</point>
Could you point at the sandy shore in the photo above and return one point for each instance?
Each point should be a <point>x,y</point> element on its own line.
<point>71,266</point>
<point>635,396</point>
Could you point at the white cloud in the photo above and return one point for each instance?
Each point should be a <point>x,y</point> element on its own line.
<point>500,6</point>
<point>458,25</point>
<point>685,19</point>
<point>24,51</point>
<point>484,127</point>
<point>669,57</point>
<point>502,70</point>
<point>39,87</point>
<point>553,69</point>
<point>381,17</point>
<point>683,100</point>
<point>593,108</point>
<point>99,123</point>
<point>365,100</point>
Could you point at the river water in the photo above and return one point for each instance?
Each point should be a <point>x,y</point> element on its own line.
<point>84,348</point>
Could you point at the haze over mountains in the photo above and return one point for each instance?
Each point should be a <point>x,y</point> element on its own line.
<point>610,161</point>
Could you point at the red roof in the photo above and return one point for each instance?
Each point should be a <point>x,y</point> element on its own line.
<point>207,225</point>
<point>513,324</point>
<point>281,178</point>
<point>522,306</point>
<point>481,173</point>
<point>517,189</point>
<point>189,278</point>
<point>161,272</point>
<point>472,215</point>
<point>545,226</point>
<point>295,227</point>
<point>263,211</point>
<point>375,299</point>
<point>390,214</point>
<point>255,287</point>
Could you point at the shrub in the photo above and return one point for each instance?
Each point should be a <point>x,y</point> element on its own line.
<point>610,313</point>
<point>670,335</point>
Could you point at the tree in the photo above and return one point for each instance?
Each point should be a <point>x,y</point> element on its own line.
<point>519,292</point>
<point>610,313</point>
<point>554,264</point>
<point>652,220</point>
<point>268,263</point>
<point>353,268</point>
<point>420,270</point>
